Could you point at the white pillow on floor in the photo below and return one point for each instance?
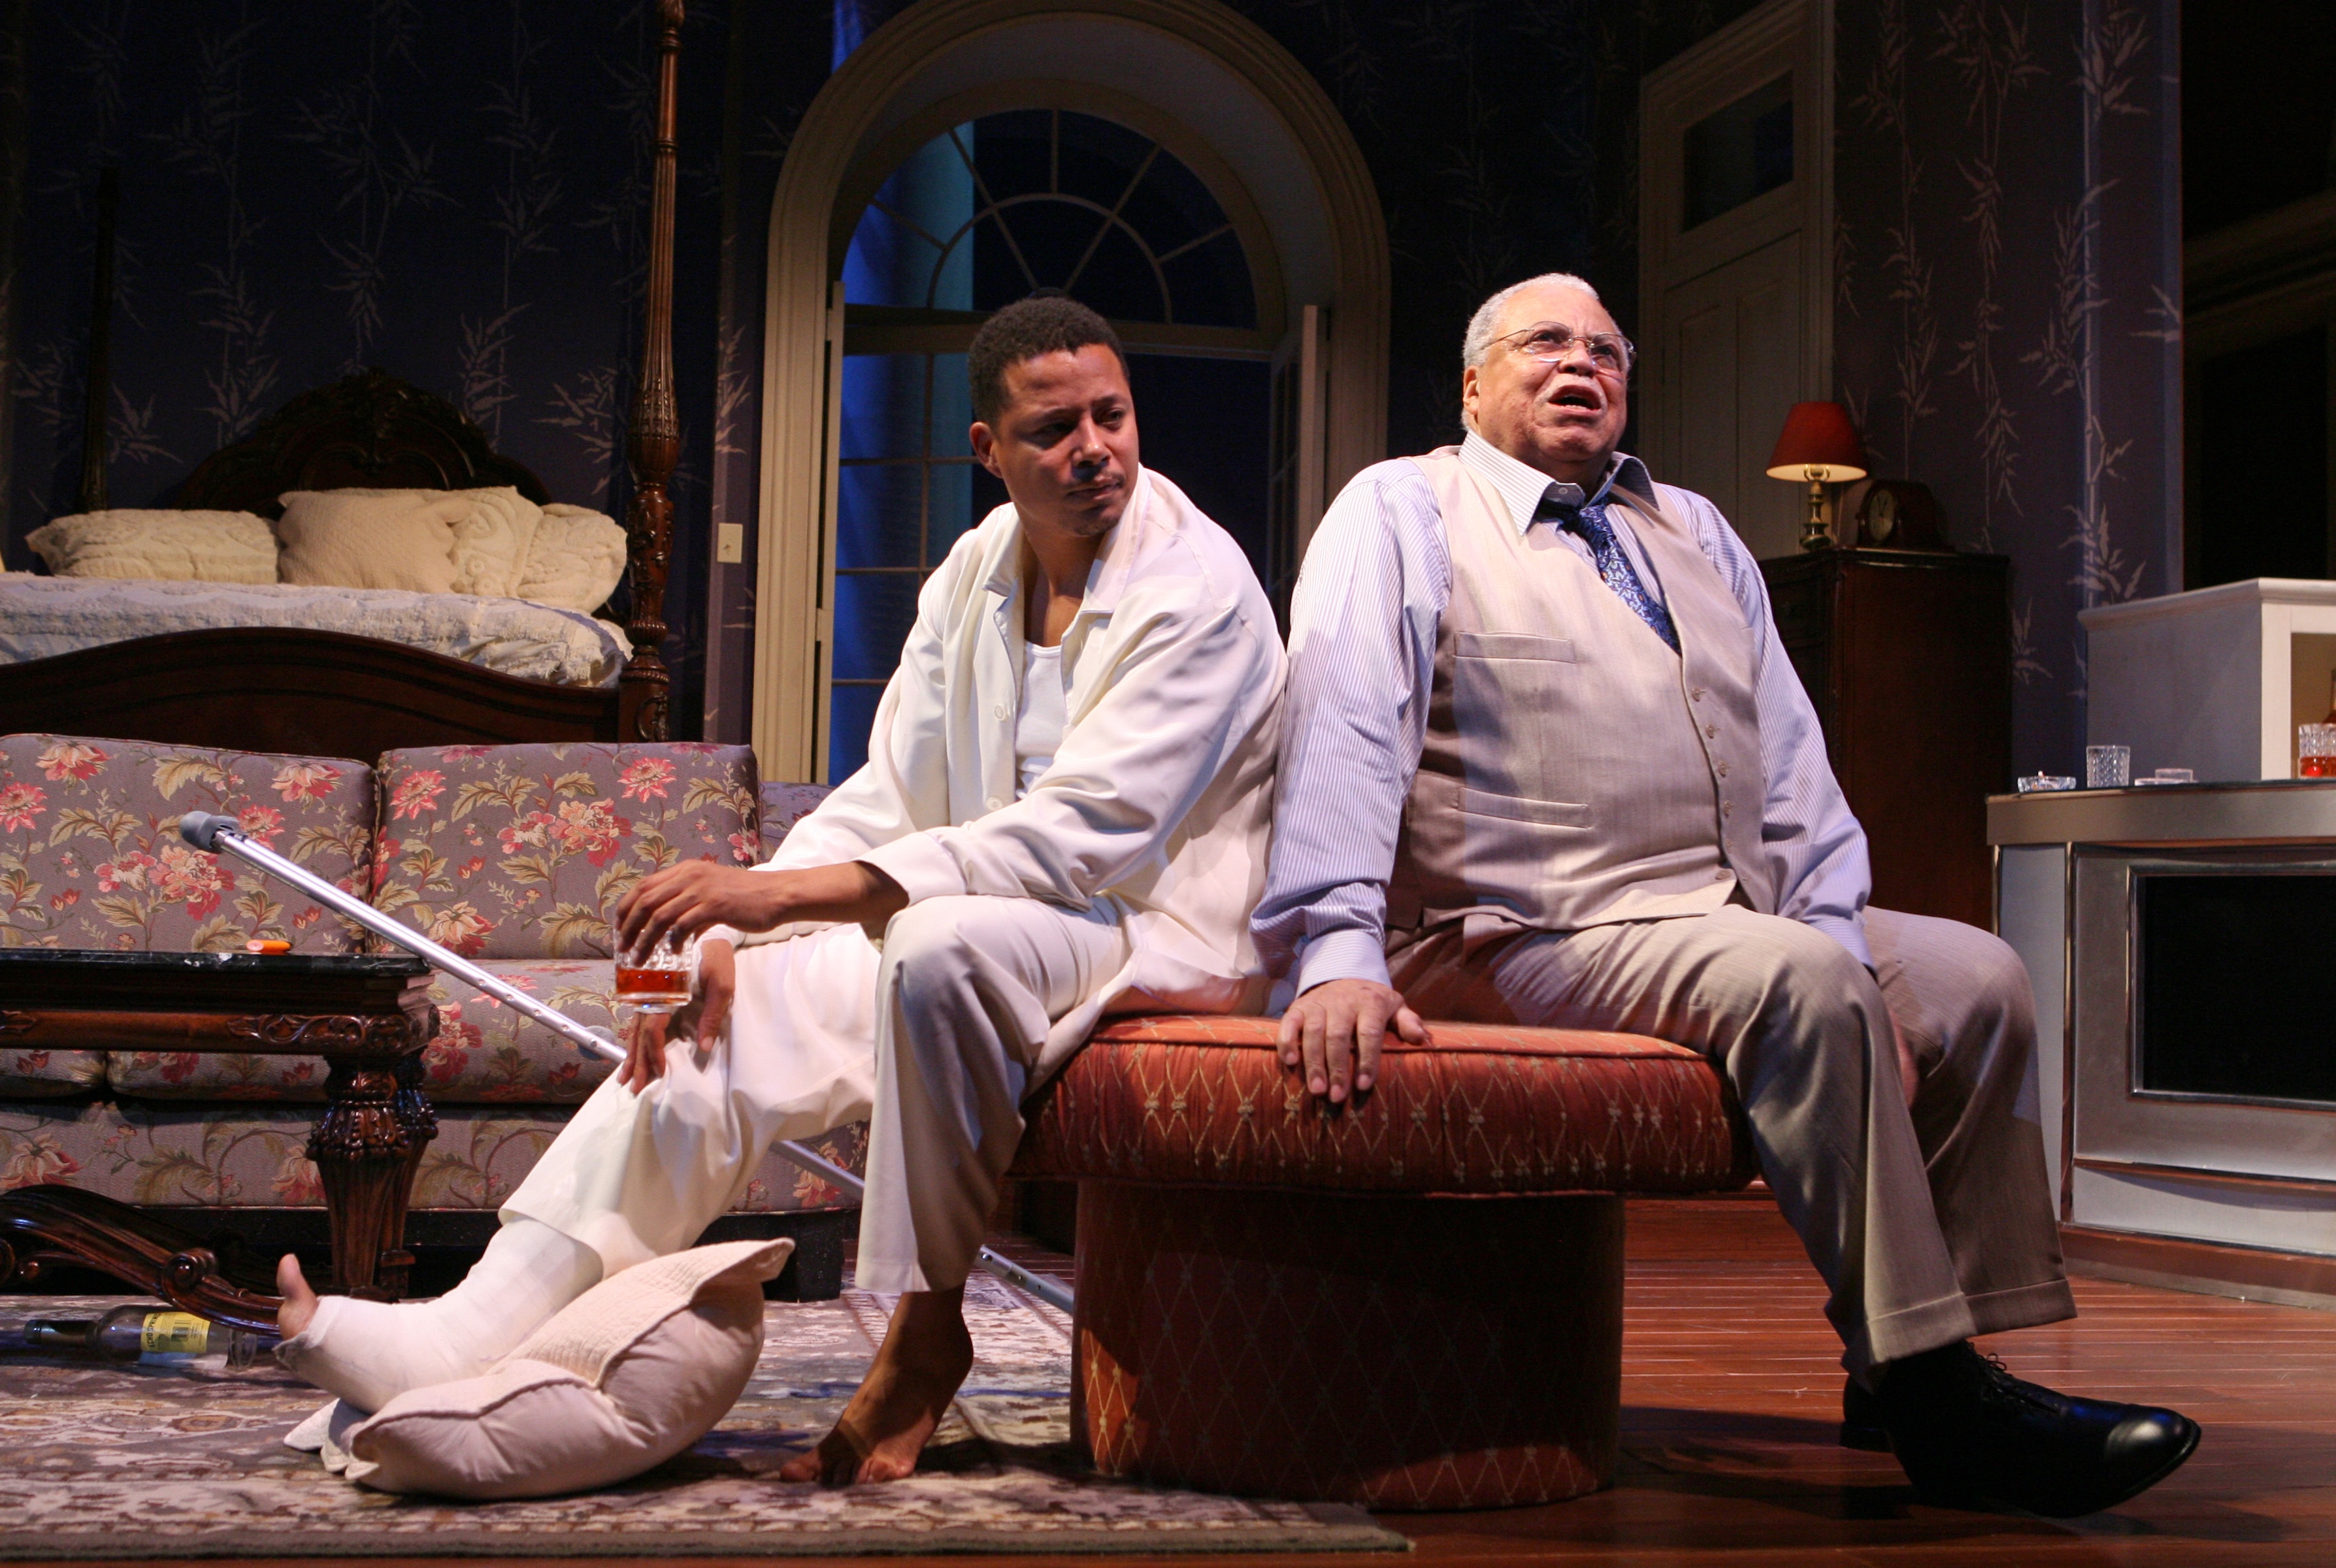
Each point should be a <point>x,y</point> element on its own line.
<point>623,1378</point>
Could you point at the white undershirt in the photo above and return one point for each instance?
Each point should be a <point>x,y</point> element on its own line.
<point>1038,727</point>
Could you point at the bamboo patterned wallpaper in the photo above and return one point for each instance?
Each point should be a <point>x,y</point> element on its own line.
<point>454,191</point>
<point>2007,324</point>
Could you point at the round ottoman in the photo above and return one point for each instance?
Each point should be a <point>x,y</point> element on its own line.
<point>1413,1301</point>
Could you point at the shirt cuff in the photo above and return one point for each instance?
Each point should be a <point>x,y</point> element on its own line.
<point>1346,954</point>
<point>1849,932</point>
<point>921,865</point>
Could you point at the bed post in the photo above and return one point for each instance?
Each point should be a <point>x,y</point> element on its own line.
<point>653,446</point>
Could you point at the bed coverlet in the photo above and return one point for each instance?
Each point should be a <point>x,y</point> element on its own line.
<point>41,617</point>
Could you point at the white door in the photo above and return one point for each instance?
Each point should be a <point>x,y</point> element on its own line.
<point>1733,374</point>
<point>1735,201</point>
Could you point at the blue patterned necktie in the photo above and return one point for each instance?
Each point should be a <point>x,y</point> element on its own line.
<point>1614,565</point>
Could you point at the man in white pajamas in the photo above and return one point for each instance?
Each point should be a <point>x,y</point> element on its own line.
<point>1064,812</point>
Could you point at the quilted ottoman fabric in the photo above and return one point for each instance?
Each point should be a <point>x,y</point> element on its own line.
<point>1395,1352</point>
<point>1250,1260</point>
<point>1481,1109</point>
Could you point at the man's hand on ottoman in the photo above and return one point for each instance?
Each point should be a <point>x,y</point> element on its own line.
<point>1336,1029</point>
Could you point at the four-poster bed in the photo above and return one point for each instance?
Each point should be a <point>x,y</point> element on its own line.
<point>288,688</point>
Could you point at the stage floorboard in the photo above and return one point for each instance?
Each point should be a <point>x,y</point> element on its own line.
<point>1731,1391</point>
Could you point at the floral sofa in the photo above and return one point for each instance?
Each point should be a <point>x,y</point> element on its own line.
<point>508,854</point>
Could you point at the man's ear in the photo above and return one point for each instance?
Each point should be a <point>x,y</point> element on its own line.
<point>1468,395</point>
<point>985,448</point>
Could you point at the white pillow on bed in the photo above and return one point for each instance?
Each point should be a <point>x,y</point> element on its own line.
<point>179,546</point>
<point>491,537</point>
<point>577,560</point>
<point>490,544</point>
<point>401,539</point>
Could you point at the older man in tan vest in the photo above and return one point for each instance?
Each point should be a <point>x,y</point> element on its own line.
<point>1544,762</point>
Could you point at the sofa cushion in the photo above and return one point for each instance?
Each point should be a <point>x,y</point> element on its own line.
<point>784,806</point>
<point>520,852</point>
<point>48,1075</point>
<point>256,1156</point>
<point>1480,1109</point>
<point>91,857</point>
<point>485,1053</point>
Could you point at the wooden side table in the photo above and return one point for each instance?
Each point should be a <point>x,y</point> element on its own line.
<point>369,1017</point>
<point>1907,657</point>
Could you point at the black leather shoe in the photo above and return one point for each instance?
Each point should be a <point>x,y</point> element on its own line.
<point>1860,1419</point>
<point>1968,1432</point>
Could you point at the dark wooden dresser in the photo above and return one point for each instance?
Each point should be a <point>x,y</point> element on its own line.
<point>1907,656</point>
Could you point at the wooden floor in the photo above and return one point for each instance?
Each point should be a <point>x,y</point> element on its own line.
<point>1731,1391</point>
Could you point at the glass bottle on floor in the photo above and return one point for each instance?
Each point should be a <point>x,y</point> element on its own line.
<point>150,1336</point>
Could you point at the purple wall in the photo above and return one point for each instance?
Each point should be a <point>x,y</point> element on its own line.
<point>2008,302</point>
<point>457,194</point>
<point>455,190</point>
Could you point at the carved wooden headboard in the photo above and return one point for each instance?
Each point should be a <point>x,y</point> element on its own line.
<point>366,430</point>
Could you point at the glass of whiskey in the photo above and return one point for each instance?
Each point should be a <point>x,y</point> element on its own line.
<point>657,980</point>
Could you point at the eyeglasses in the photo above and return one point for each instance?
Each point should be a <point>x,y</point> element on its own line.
<point>1610,352</point>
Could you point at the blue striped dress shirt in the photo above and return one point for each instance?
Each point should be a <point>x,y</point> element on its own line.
<point>1362,658</point>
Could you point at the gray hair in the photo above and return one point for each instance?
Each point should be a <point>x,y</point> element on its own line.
<point>1479,339</point>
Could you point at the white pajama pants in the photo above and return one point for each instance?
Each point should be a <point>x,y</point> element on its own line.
<point>930,1036</point>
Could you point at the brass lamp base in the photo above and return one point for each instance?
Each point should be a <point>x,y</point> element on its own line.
<point>1815,535</point>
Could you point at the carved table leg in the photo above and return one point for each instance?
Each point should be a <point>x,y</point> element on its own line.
<point>366,1153</point>
<point>368,1143</point>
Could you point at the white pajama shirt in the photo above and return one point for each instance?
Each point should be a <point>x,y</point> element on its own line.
<point>1123,874</point>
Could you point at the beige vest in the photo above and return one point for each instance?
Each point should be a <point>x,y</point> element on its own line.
<point>1576,770</point>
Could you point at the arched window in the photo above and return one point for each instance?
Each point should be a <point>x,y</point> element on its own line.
<point>1165,161</point>
<point>980,216</point>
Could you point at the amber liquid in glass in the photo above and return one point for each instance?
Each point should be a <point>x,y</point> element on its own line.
<point>2321,766</point>
<point>638,986</point>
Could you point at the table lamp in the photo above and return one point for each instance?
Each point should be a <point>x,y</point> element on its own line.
<point>1819,445</point>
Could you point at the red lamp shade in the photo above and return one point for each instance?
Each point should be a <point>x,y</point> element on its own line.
<point>1818,435</point>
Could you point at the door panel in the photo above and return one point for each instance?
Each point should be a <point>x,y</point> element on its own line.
<point>1735,357</point>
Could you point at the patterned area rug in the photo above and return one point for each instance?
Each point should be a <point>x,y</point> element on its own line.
<point>101,1461</point>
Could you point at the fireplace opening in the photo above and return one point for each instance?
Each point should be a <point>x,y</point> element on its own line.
<point>2237,993</point>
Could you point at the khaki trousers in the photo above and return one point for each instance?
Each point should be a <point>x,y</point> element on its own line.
<point>1929,1226</point>
<point>931,1037</point>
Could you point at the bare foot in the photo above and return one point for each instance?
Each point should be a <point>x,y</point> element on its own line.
<point>924,1358</point>
<point>299,1302</point>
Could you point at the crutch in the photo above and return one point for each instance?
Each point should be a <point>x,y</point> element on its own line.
<point>206,830</point>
